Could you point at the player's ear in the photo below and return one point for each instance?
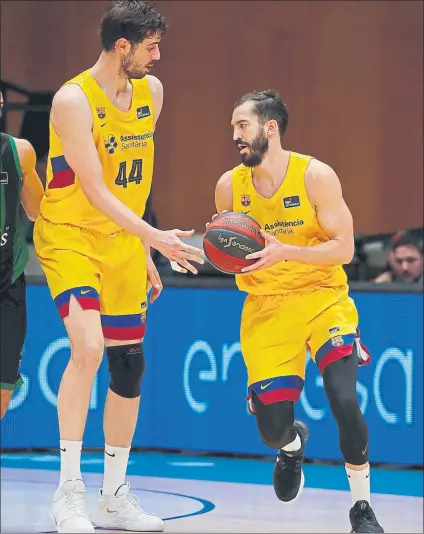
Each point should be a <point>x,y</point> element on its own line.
<point>271,127</point>
<point>122,46</point>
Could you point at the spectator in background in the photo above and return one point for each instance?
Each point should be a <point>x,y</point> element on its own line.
<point>391,270</point>
<point>405,261</point>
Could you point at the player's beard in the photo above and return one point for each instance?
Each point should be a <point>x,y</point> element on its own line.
<point>129,69</point>
<point>257,151</point>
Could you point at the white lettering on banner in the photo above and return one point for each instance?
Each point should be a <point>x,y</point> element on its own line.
<point>227,356</point>
<point>206,376</point>
<point>315,413</point>
<point>211,375</point>
<point>56,346</point>
<point>406,362</point>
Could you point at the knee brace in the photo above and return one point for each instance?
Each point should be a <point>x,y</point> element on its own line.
<point>340,386</point>
<point>275,422</point>
<point>126,368</point>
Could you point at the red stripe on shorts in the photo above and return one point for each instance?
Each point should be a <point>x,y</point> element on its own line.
<point>336,354</point>
<point>289,394</point>
<point>123,334</point>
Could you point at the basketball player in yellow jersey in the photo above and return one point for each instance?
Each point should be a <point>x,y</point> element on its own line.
<point>89,239</point>
<point>297,297</point>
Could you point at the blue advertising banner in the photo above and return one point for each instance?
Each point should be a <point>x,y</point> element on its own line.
<point>195,381</point>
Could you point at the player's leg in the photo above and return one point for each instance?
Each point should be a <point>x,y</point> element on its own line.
<point>12,337</point>
<point>273,347</point>
<point>334,346</point>
<point>74,283</point>
<point>124,308</point>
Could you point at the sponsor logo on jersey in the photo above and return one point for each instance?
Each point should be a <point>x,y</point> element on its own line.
<point>127,141</point>
<point>283,227</point>
<point>143,112</point>
<point>111,144</point>
<point>291,202</point>
<point>4,178</point>
<point>135,140</point>
<point>334,330</point>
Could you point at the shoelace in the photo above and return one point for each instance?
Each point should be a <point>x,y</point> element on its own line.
<point>367,514</point>
<point>75,500</point>
<point>291,462</point>
<point>130,500</point>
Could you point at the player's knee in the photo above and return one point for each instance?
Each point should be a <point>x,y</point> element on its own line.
<point>5,398</point>
<point>345,408</point>
<point>340,387</point>
<point>126,369</point>
<point>87,355</point>
<point>275,422</point>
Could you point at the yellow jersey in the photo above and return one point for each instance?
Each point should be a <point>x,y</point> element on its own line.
<point>124,142</point>
<point>289,216</point>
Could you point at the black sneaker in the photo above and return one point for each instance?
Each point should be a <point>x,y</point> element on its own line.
<point>362,518</point>
<point>288,476</point>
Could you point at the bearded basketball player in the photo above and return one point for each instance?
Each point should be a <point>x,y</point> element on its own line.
<point>297,297</point>
<point>94,248</point>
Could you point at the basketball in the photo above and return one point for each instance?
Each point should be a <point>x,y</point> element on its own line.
<point>229,239</point>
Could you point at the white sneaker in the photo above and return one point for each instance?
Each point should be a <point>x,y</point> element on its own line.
<point>68,511</point>
<point>122,511</point>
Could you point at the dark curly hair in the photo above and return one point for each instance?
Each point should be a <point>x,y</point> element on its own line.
<point>133,20</point>
<point>268,105</point>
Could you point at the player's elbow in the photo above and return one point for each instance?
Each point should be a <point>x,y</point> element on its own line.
<point>348,252</point>
<point>32,214</point>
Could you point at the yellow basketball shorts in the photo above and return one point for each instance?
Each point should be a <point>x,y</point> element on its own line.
<point>103,272</point>
<point>277,330</point>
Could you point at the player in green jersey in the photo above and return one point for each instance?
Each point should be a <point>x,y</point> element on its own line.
<point>19,185</point>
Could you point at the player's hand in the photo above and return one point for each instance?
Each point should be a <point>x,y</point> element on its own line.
<point>273,252</point>
<point>170,245</point>
<point>214,217</point>
<point>153,280</point>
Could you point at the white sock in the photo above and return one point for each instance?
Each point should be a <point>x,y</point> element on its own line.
<point>359,482</point>
<point>116,461</point>
<point>70,460</point>
<point>294,445</point>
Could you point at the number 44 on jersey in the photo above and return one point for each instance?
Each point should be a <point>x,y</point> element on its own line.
<point>136,173</point>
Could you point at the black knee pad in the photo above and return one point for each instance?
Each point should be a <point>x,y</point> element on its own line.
<point>126,368</point>
<point>340,386</point>
<point>275,422</point>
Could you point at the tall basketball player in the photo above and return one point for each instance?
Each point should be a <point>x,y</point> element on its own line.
<point>19,185</point>
<point>94,249</point>
<point>297,297</point>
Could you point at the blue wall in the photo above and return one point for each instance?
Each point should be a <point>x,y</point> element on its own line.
<point>195,382</point>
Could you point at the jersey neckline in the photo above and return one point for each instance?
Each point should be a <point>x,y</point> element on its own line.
<point>283,184</point>
<point>116,110</point>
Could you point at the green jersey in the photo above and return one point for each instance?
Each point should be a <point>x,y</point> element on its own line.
<point>13,248</point>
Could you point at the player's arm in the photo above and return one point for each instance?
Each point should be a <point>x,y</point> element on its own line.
<point>73,122</point>
<point>156,90</point>
<point>32,189</point>
<point>325,194</point>
<point>224,193</point>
